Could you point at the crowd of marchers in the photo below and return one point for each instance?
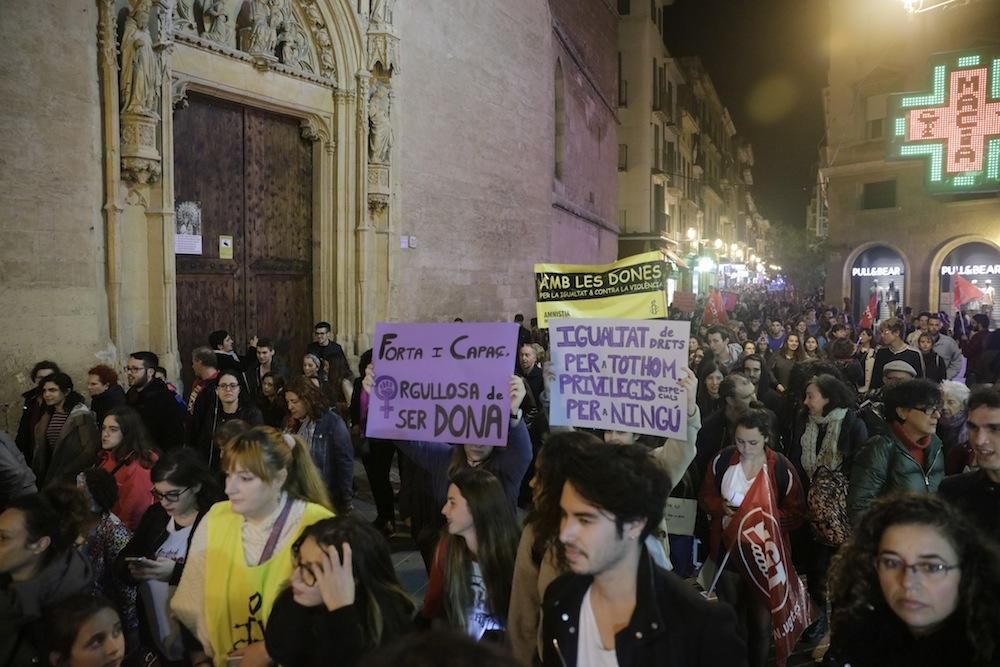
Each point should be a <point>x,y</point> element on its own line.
<point>153,525</point>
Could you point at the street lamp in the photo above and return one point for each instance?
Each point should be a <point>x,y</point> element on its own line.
<point>718,244</point>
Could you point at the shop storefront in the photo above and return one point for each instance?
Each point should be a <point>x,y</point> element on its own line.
<point>878,271</point>
<point>979,263</point>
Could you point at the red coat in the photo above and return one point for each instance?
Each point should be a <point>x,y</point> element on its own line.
<point>134,488</point>
<point>791,505</point>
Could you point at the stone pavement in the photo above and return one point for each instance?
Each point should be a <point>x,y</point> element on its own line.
<point>410,567</point>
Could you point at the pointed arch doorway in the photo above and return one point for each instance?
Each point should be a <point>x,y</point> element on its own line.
<point>248,173</point>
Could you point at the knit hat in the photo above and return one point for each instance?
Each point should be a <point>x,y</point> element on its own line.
<point>900,366</point>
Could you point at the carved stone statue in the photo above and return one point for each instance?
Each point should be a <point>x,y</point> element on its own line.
<point>379,127</point>
<point>264,37</point>
<point>164,23</point>
<point>140,73</point>
<point>292,46</point>
<point>217,26</point>
<point>381,11</point>
<point>184,15</point>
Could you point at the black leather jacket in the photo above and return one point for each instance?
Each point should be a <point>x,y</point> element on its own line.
<point>672,625</point>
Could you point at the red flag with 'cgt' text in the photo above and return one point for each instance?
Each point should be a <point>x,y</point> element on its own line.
<point>756,543</point>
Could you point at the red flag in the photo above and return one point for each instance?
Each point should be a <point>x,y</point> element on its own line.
<point>730,300</point>
<point>868,317</point>
<point>964,291</point>
<point>756,542</point>
<point>715,311</point>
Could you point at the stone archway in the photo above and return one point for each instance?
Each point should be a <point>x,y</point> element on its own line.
<point>944,251</point>
<point>859,250</point>
<point>308,59</point>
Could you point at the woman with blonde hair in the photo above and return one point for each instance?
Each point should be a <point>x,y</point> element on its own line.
<point>240,556</point>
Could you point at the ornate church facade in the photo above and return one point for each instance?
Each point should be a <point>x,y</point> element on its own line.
<point>178,166</point>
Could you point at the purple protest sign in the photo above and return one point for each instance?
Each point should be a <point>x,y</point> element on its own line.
<point>442,382</point>
<point>619,375</point>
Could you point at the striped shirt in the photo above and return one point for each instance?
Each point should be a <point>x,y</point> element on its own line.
<point>56,423</point>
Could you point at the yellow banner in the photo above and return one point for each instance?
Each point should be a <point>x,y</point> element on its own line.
<point>633,288</point>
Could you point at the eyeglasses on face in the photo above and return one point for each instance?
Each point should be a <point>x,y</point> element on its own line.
<point>134,369</point>
<point>925,569</point>
<point>169,496</point>
<point>306,573</point>
<point>229,385</point>
<point>930,410</point>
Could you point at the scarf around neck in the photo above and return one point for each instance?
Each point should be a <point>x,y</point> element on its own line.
<point>827,455</point>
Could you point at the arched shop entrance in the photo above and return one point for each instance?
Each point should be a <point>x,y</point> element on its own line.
<point>879,270</point>
<point>979,263</point>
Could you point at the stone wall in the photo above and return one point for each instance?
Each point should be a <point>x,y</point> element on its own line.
<point>585,42</point>
<point>52,298</point>
<point>476,151</point>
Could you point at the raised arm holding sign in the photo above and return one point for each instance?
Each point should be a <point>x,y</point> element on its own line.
<point>445,373</point>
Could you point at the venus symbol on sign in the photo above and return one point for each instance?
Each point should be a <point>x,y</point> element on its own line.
<point>386,389</point>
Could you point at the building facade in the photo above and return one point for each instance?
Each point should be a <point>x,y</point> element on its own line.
<point>180,166</point>
<point>892,231</point>
<point>684,175</point>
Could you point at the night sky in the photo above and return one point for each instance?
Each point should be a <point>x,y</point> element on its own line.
<point>768,61</point>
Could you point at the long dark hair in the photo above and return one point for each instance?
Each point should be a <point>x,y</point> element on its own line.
<point>135,440</point>
<point>855,592</point>
<point>384,607</point>
<point>705,402</point>
<point>496,536</point>
<point>799,354</point>
<point>546,514</point>
<point>186,469</point>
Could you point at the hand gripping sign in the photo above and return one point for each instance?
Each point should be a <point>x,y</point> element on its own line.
<point>442,382</point>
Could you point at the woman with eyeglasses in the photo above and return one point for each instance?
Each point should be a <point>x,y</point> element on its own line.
<point>906,455</point>
<point>344,599</point>
<point>184,489</point>
<point>230,405</point>
<point>915,585</point>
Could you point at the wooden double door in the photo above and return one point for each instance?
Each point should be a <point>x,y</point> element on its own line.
<point>249,172</point>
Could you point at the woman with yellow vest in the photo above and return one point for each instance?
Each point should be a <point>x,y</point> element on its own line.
<point>240,556</point>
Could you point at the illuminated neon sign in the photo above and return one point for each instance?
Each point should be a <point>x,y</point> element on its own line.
<point>956,125</point>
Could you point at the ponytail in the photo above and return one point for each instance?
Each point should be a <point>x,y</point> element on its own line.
<point>304,479</point>
<point>264,452</point>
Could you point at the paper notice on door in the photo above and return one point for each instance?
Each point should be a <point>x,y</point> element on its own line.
<point>187,229</point>
<point>225,247</point>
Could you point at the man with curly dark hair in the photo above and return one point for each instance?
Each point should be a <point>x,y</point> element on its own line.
<point>616,606</point>
<point>916,584</point>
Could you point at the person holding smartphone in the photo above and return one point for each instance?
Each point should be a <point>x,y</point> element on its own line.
<point>184,489</point>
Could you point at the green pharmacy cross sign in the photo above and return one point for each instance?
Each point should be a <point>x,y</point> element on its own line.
<point>956,126</point>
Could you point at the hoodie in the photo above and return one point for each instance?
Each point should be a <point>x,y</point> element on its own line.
<point>23,603</point>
